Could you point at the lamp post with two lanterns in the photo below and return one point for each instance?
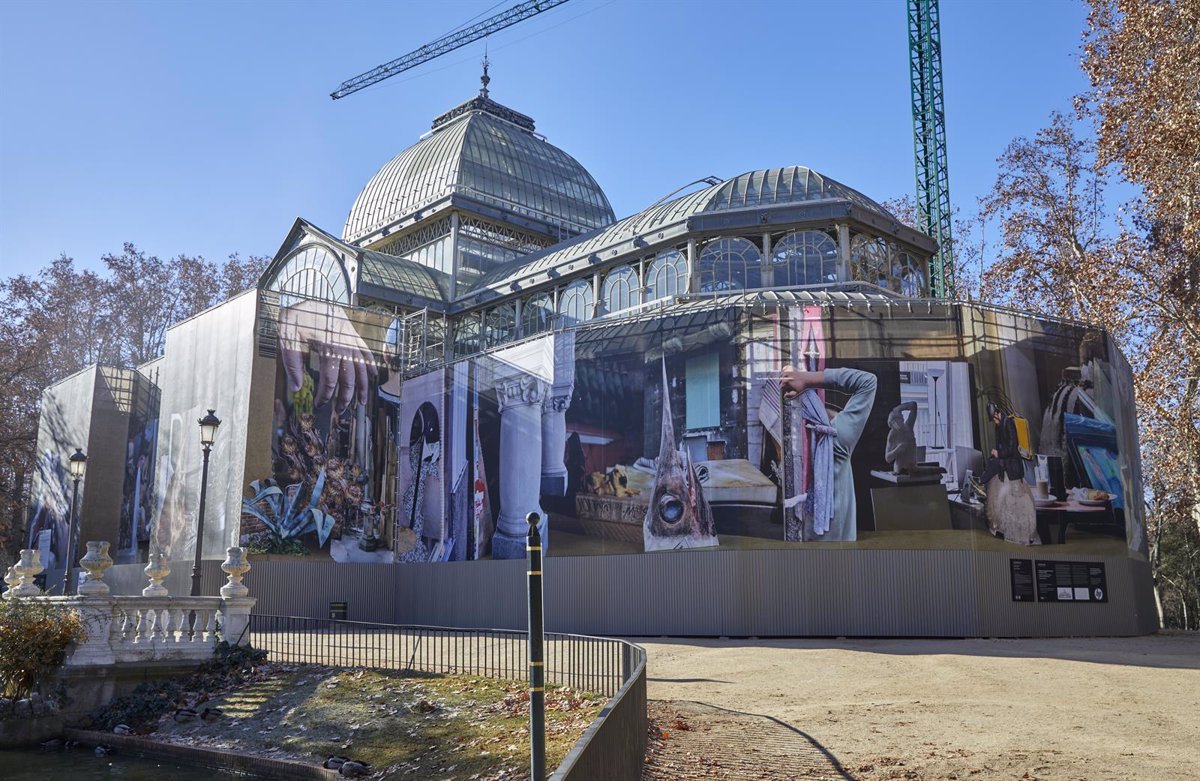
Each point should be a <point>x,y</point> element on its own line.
<point>208,435</point>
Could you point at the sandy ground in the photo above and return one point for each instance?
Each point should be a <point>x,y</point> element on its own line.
<point>1108,708</point>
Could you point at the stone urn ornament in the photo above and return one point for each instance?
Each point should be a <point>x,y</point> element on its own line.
<point>235,566</point>
<point>156,571</point>
<point>11,578</point>
<point>95,562</point>
<point>29,567</point>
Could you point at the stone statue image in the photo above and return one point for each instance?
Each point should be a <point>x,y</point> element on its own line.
<point>901,451</point>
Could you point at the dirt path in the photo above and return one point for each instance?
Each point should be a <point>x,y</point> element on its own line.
<point>1096,709</point>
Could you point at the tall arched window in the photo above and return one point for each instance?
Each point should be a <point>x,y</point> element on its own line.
<point>805,258</point>
<point>667,275</point>
<point>536,314</point>
<point>869,261</point>
<point>620,289</point>
<point>576,303</point>
<point>501,325</point>
<point>911,275</point>
<point>730,264</point>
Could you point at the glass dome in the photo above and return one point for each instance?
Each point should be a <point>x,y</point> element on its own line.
<point>487,152</point>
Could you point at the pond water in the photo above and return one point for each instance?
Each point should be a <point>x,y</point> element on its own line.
<point>83,765</point>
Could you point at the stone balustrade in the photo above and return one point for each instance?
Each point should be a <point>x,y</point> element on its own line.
<point>130,629</point>
<point>154,627</point>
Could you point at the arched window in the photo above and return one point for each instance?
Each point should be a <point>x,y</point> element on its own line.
<point>805,258</point>
<point>667,275</point>
<point>620,289</point>
<point>466,335</point>
<point>501,325</point>
<point>869,261</point>
<point>730,264</point>
<point>911,275</point>
<point>536,314</point>
<point>576,303</point>
<point>312,272</point>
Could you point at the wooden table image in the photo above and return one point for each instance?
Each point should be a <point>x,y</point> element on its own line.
<point>1064,514</point>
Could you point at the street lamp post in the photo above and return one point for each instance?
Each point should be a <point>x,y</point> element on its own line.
<point>77,465</point>
<point>208,435</point>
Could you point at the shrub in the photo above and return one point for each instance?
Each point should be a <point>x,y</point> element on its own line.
<point>34,639</point>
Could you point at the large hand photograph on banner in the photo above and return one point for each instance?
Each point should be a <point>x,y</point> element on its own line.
<point>323,493</point>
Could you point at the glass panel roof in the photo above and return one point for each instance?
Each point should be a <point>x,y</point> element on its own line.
<point>768,187</point>
<point>486,157</point>
<point>405,276</point>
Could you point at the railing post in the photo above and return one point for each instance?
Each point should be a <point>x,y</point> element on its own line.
<point>96,647</point>
<point>537,663</point>
<point>235,604</point>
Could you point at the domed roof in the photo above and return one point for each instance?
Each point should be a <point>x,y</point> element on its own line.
<point>487,152</point>
<point>764,188</point>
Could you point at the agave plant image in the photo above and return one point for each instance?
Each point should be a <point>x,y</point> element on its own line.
<point>285,513</point>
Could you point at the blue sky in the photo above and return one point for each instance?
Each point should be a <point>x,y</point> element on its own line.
<point>206,128</point>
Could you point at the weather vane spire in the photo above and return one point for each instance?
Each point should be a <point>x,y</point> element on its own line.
<point>484,79</point>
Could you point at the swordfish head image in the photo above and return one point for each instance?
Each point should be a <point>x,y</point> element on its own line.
<point>678,515</point>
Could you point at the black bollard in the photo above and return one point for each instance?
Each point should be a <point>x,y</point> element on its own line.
<point>537,659</point>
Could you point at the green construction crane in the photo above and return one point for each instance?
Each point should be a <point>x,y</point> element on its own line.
<point>929,139</point>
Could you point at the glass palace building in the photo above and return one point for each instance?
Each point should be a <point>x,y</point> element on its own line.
<point>485,340</point>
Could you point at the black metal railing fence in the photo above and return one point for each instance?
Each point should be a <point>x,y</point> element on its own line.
<point>594,664</point>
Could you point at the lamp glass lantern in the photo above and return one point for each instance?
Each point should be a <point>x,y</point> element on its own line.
<point>77,463</point>
<point>208,428</point>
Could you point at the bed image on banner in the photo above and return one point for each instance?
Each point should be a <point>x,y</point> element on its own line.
<point>422,531</point>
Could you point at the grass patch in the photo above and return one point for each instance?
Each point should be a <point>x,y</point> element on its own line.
<point>420,726</point>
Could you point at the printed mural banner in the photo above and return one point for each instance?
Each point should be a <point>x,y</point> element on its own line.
<point>721,427</point>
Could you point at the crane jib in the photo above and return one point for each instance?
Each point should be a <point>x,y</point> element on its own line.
<point>445,44</point>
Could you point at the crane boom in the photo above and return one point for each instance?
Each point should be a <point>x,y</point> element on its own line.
<point>929,139</point>
<point>445,44</point>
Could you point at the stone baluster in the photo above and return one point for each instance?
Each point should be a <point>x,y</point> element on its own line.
<point>172,624</point>
<point>156,570</point>
<point>182,629</point>
<point>156,624</point>
<point>520,399</point>
<point>210,626</point>
<point>142,629</point>
<point>124,623</point>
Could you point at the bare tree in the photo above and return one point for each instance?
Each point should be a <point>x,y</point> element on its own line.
<point>1143,59</point>
<point>63,319</point>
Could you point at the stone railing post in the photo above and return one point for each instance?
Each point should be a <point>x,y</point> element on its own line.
<point>96,612</point>
<point>235,602</point>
